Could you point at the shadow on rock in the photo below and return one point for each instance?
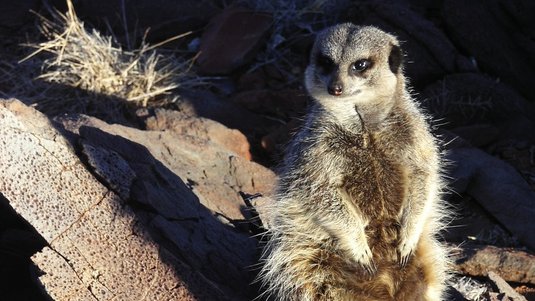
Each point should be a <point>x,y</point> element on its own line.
<point>212,258</point>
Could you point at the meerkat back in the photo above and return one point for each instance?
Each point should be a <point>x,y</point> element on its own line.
<point>358,204</point>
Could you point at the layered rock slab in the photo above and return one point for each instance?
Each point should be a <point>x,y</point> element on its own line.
<point>46,183</point>
<point>139,232</point>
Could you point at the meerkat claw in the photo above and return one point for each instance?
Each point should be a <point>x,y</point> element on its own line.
<point>370,268</point>
<point>404,259</point>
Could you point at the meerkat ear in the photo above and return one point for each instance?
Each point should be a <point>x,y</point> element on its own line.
<point>395,59</point>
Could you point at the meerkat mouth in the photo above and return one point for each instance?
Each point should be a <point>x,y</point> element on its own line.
<point>347,95</point>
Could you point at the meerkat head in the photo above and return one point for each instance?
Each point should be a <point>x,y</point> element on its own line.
<point>353,65</point>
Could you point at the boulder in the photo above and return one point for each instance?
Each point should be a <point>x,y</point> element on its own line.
<point>93,247</point>
<point>124,221</point>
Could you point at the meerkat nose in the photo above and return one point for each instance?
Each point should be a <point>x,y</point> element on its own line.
<point>335,89</point>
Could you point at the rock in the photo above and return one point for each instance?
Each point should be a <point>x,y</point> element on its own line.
<point>499,34</point>
<point>112,167</point>
<point>480,260</point>
<point>14,14</point>
<point>232,39</point>
<point>470,98</point>
<point>94,248</point>
<point>141,230</point>
<point>505,288</point>
<point>429,53</point>
<point>498,297</point>
<point>497,187</point>
<point>229,139</point>
<point>215,174</point>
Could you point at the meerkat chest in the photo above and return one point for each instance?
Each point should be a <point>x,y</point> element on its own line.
<point>375,174</point>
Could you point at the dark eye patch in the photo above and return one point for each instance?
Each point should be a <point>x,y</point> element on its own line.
<point>361,66</point>
<point>325,62</point>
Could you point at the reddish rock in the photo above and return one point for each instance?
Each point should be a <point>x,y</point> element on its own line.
<point>215,174</point>
<point>479,260</point>
<point>232,39</point>
<point>188,186</point>
<point>230,139</point>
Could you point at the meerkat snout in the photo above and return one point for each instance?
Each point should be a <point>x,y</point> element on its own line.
<point>335,87</point>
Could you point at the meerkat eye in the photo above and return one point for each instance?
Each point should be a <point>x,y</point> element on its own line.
<point>324,62</point>
<point>361,65</point>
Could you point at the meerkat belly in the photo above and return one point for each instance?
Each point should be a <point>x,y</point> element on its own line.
<point>378,190</point>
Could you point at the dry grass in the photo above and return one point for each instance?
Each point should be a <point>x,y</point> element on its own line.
<point>87,60</point>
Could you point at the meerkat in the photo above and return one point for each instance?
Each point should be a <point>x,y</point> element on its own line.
<point>358,205</point>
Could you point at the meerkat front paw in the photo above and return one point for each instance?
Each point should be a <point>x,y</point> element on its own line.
<point>363,256</point>
<point>406,249</point>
